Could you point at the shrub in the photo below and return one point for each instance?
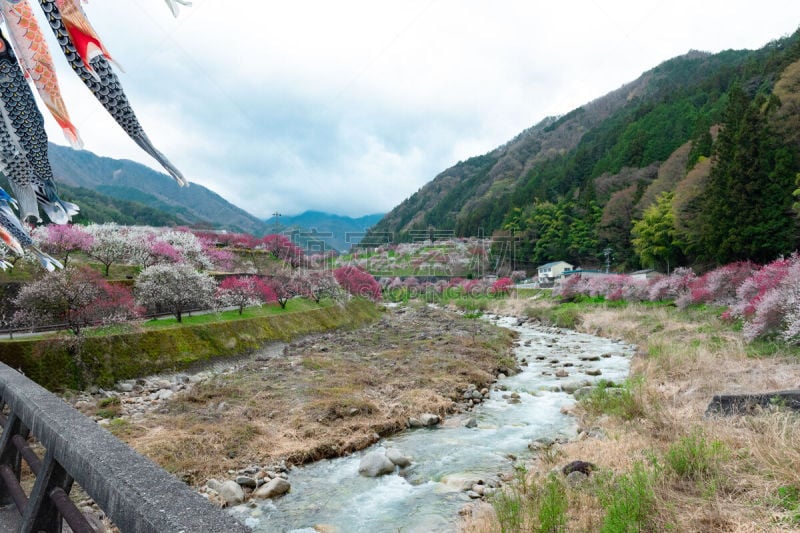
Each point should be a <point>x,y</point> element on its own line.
<point>606,398</point>
<point>501,287</point>
<point>531,504</point>
<point>676,286</point>
<point>628,500</point>
<point>358,282</point>
<point>694,458</point>
<point>719,286</point>
<point>756,285</point>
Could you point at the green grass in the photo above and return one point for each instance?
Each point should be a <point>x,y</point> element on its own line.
<point>628,500</point>
<point>292,306</point>
<point>563,316</point>
<point>109,407</point>
<point>529,504</point>
<point>694,458</point>
<point>787,498</point>
<point>771,347</point>
<point>622,402</point>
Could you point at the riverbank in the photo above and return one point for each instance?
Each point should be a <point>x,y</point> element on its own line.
<point>659,463</point>
<point>102,358</point>
<point>318,397</point>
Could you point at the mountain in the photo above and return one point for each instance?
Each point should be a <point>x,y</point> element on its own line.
<point>316,230</point>
<point>573,186</point>
<point>132,182</point>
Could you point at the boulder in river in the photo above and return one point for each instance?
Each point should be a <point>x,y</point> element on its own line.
<point>429,419</point>
<point>276,487</point>
<point>398,458</point>
<point>375,464</point>
<point>572,385</point>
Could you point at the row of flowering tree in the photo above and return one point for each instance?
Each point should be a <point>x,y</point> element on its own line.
<point>78,297</point>
<point>411,287</point>
<point>111,244</point>
<point>765,298</point>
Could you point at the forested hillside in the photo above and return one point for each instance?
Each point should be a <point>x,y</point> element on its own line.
<point>132,182</point>
<point>694,162</point>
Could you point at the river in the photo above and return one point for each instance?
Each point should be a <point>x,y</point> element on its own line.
<point>427,496</point>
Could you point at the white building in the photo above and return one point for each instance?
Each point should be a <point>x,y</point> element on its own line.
<point>550,272</point>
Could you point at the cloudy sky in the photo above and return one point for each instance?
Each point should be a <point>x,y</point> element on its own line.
<point>351,106</point>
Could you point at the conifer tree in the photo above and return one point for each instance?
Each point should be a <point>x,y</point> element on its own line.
<point>747,204</point>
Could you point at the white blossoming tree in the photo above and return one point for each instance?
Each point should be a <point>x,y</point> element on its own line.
<point>110,244</point>
<point>174,288</point>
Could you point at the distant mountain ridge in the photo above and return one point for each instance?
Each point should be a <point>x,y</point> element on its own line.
<point>133,182</point>
<point>314,229</point>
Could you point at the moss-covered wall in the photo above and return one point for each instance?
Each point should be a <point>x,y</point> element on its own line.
<point>114,357</point>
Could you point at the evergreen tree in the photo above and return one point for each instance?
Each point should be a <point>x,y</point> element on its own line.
<point>747,204</point>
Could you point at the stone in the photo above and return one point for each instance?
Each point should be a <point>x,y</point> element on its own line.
<point>561,373</point>
<point>471,423</point>
<point>231,493</point>
<point>582,393</point>
<point>429,419</point>
<point>583,467</point>
<point>415,423</point>
<point>375,464</point>
<point>594,372</point>
<point>246,481</point>
<point>276,487</point>
<point>214,484</point>
<point>165,394</point>
<point>125,386</point>
<point>473,495</point>
<point>479,489</point>
<point>571,386</point>
<point>398,458</point>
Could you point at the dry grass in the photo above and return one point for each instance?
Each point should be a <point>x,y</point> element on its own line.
<point>684,358</point>
<point>326,396</point>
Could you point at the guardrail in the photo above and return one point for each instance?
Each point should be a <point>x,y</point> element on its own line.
<point>136,494</point>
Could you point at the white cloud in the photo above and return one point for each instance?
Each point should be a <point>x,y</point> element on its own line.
<point>351,106</point>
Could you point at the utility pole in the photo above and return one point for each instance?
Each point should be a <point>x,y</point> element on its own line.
<point>607,252</point>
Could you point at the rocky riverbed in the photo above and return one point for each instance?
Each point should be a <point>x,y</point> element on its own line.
<point>321,396</point>
<point>224,428</point>
<point>419,480</point>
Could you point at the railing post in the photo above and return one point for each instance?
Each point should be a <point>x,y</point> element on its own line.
<point>9,455</point>
<point>41,513</point>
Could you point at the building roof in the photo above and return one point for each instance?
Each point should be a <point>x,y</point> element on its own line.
<point>553,263</point>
